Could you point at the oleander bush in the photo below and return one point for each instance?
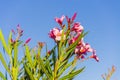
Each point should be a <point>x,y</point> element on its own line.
<point>59,63</point>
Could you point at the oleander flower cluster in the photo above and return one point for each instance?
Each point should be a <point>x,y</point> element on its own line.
<point>76,30</point>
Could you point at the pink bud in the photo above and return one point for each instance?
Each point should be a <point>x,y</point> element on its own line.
<point>74,16</point>
<point>49,52</point>
<point>56,34</point>
<point>13,31</point>
<point>27,41</point>
<point>68,19</point>
<point>12,41</point>
<point>77,27</point>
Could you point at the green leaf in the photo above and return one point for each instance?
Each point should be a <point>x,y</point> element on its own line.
<point>53,55</point>
<point>28,55</point>
<point>67,36</point>
<point>74,62</point>
<point>68,54</point>
<point>2,76</point>
<point>62,64</point>
<point>62,39</point>
<point>29,72</point>
<point>4,62</point>
<point>4,43</point>
<point>44,69</point>
<point>71,75</point>
<point>64,68</point>
<point>63,48</point>
<point>9,41</point>
<point>15,54</point>
<point>49,67</point>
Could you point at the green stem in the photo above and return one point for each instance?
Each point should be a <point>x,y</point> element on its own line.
<point>55,70</point>
<point>14,73</point>
<point>58,48</point>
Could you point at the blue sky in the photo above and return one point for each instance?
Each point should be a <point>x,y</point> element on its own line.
<point>100,17</point>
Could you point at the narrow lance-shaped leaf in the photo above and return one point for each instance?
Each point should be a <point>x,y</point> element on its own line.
<point>44,69</point>
<point>71,75</point>
<point>10,46</point>
<point>4,62</point>
<point>63,64</point>
<point>9,42</point>
<point>74,63</point>
<point>64,68</point>
<point>29,72</point>
<point>68,54</point>
<point>67,36</point>
<point>62,53</point>
<point>15,54</point>
<point>49,67</point>
<point>4,43</point>
<point>54,55</point>
<point>27,53</point>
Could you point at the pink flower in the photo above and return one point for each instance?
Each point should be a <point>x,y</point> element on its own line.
<point>70,20</point>
<point>77,27</point>
<point>55,34</point>
<point>27,41</point>
<point>88,47</point>
<point>94,56</point>
<point>73,40</point>
<point>82,49</point>
<point>60,20</point>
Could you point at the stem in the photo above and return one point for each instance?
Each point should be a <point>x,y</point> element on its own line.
<point>56,63</point>
<point>55,70</point>
<point>14,73</point>
<point>58,50</point>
